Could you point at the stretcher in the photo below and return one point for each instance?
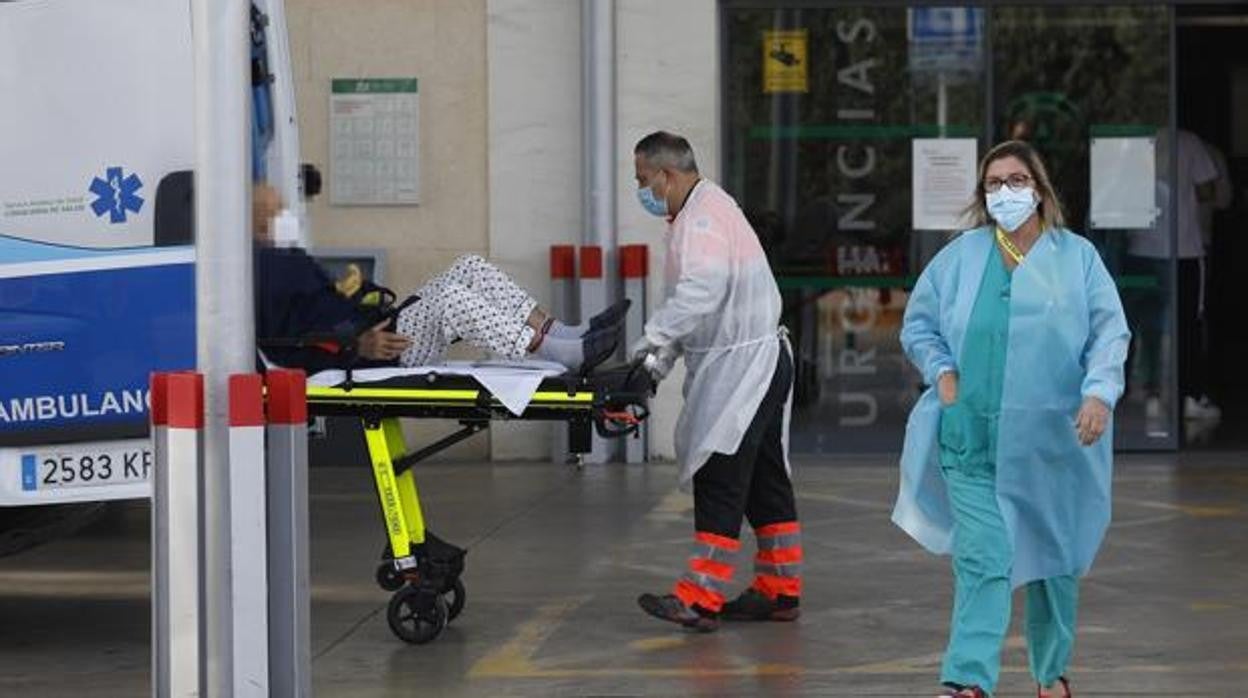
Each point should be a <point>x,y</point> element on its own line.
<point>422,571</point>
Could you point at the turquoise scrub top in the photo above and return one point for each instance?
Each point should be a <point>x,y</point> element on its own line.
<point>968,427</point>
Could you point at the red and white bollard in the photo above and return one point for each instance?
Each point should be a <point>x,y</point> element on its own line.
<point>594,297</point>
<point>634,273</point>
<point>249,573</point>
<point>177,431</point>
<point>563,304</point>
<point>290,653</point>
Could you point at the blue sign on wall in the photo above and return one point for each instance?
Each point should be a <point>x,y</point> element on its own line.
<point>946,38</point>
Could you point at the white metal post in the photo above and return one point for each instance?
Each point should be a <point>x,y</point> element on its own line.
<point>225,327</point>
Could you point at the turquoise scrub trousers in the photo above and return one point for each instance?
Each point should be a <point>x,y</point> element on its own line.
<point>982,550</point>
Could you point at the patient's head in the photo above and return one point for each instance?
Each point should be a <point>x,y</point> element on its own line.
<point>266,202</point>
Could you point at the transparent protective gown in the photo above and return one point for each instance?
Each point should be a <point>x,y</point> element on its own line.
<point>1067,341</point>
<point>721,309</point>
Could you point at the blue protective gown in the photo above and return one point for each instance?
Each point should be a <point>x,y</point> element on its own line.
<point>1067,340</point>
<point>982,551</point>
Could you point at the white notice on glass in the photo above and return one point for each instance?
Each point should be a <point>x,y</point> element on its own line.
<point>374,141</point>
<point>1124,174</point>
<point>943,181</point>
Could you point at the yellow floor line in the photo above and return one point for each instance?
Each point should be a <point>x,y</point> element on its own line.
<point>514,658</point>
<point>1197,511</point>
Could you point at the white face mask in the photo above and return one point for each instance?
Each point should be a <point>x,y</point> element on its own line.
<point>1011,208</point>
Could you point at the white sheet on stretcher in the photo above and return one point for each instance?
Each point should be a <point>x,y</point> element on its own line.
<point>512,382</point>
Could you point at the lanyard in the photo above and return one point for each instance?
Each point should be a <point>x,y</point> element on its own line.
<point>1010,248</point>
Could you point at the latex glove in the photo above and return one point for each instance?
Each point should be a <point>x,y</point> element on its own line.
<point>1091,420</point>
<point>640,348</point>
<point>659,363</point>
<point>379,345</point>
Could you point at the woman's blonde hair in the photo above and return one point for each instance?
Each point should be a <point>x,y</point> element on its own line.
<point>1050,207</point>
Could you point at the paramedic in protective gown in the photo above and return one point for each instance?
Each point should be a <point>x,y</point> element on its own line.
<point>721,312</point>
<point>1018,330</point>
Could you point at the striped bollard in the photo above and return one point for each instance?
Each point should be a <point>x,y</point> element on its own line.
<point>249,575</point>
<point>290,648</point>
<point>634,273</point>
<point>177,429</point>
<point>159,413</point>
<point>594,297</point>
<point>564,307</point>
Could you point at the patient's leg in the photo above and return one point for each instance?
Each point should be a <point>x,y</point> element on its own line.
<point>447,311</point>
<point>488,281</point>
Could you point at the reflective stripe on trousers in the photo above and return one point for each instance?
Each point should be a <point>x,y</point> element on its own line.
<point>778,563</point>
<point>710,571</point>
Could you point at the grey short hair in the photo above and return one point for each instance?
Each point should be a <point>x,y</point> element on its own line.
<point>667,150</point>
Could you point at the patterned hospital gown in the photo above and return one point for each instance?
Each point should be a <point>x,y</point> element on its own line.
<point>474,301</point>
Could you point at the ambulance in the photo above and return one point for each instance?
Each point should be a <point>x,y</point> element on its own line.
<point>97,263</point>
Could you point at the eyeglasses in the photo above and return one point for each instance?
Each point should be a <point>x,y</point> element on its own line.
<point>1016,181</point>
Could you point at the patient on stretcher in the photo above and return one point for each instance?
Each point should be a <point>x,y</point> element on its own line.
<point>303,320</point>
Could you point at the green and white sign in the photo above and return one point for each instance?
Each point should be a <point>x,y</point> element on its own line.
<point>374,142</point>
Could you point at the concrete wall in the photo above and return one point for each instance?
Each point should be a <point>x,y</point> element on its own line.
<point>442,43</point>
<point>534,58</point>
<point>667,76</point>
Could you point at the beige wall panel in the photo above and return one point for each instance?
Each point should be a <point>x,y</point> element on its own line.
<point>667,78</point>
<point>535,158</point>
<point>442,43</point>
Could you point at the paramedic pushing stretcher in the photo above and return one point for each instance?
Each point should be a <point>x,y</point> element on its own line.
<point>471,300</point>
<point>721,311</point>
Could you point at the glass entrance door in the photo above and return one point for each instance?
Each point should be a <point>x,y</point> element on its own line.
<point>824,111</point>
<point>1089,86</point>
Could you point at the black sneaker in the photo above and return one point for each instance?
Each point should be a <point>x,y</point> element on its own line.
<point>598,345</point>
<point>752,604</point>
<point>670,608</point>
<point>613,314</point>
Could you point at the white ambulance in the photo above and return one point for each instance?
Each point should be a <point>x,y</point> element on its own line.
<point>96,256</point>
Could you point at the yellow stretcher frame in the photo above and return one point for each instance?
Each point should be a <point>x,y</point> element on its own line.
<point>381,407</point>
<point>400,502</point>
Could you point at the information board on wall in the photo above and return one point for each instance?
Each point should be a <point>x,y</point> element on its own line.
<point>943,181</point>
<point>374,141</point>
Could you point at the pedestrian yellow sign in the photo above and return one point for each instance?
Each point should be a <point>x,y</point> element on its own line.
<point>784,61</point>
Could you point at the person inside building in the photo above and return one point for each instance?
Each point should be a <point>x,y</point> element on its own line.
<point>1018,329</point>
<point>721,312</point>
<point>1149,252</point>
<point>304,320</point>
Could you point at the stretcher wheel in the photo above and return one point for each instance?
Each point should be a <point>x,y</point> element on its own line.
<point>455,597</point>
<point>416,616</point>
<point>389,578</point>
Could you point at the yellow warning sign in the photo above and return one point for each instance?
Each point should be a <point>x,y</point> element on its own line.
<point>784,61</point>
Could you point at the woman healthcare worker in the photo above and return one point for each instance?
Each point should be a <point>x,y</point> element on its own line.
<point>1018,328</point>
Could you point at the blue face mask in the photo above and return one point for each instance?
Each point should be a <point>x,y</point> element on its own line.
<point>653,204</point>
<point>1010,208</point>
